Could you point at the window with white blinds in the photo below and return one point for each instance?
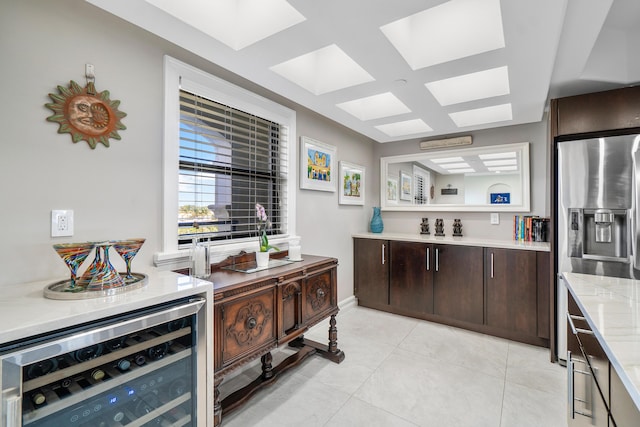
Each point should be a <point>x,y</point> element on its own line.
<point>229,160</point>
<point>421,183</point>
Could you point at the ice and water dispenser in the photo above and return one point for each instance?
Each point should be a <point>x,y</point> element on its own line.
<point>599,234</point>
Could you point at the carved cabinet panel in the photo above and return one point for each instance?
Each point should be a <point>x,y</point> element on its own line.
<point>248,325</point>
<point>318,295</point>
<point>290,295</point>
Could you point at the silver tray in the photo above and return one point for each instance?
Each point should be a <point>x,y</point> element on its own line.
<point>58,290</point>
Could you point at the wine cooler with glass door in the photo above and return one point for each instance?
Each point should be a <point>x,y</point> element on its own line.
<point>136,369</point>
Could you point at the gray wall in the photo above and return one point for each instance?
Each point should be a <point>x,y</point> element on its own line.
<point>116,192</point>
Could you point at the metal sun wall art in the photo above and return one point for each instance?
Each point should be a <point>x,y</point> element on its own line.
<point>86,114</point>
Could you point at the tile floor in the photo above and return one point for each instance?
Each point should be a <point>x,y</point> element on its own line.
<point>400,371</point>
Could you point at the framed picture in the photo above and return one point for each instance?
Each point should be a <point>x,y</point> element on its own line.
<point>317,165</point>
<point>406,185</point>
<point>351,184</point>
<point>392,190</point>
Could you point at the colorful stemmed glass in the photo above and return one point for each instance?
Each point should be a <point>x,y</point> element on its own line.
<point>101,275</point>
<point>127,250</point>
<point>73,254</point>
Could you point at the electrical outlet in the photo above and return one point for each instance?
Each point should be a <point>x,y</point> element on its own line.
<point>61,223</point>
<point>495,218</point>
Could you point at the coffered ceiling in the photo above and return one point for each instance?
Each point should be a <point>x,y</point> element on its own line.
<point>397,70</point>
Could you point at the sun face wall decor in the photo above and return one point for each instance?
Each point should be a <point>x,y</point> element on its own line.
<point>86,114</point>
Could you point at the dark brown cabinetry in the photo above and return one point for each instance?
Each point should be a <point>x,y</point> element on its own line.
<point>511,290</point>
<point>411,276</point>
<point>458,283</point>
<point>596,112</point>
<point>624,411</point>
<point>453,284</point>
<point>597,396</point>
<point>371,272</point>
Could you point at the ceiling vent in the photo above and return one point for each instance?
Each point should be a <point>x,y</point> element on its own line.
<point>447,142</point>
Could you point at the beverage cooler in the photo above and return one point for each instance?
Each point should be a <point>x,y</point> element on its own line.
<point>136,369</point>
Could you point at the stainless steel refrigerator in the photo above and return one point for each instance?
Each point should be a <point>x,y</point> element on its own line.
<point>597,215</point>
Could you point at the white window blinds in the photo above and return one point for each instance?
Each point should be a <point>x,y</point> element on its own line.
<point>229,160</point>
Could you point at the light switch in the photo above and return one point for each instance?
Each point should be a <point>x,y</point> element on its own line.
<point>495,218</point>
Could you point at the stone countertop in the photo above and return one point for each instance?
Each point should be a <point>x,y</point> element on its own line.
<point>25,312</point>
<point>462,241</point>
<point>611,307</point>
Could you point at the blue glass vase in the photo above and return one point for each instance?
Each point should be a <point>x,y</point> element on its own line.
<point>376,221</point>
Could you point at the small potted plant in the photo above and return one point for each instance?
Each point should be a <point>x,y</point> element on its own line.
<point>262,256</point>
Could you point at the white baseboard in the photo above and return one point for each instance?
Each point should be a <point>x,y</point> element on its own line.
<point>348,303</point>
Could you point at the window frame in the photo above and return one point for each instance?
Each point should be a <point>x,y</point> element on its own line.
<point>179,75</point>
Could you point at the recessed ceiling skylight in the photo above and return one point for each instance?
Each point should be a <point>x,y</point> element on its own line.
<point>503,168</point>
<point>375,107</point>
<point>323,70</point>
<point>236,23</point>
<point>479,116</point>
<point>503,155</point>
<point>504,162</point>
<point>452,30</point>
<point>469,87</point>
<point>447,160</point>
<point>408,127</point>
<point>455,165</point>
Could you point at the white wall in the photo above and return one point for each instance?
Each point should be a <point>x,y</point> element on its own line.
<point>116,192</point>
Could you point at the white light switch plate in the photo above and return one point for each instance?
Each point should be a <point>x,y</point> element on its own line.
<point>495,218</point>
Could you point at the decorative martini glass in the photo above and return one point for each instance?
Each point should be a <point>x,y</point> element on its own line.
<point>101,275</point>
<point>127,250</point>
<point>73,254</point>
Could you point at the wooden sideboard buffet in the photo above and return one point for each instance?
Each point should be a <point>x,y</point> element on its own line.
<point>257,311</point>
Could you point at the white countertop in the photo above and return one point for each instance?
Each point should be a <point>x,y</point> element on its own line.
<point>612,309</point>
<point>24,311</point>
<point>462,241</point>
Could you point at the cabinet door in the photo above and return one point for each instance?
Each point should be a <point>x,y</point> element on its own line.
<point>511,290</point>
<point>411,277</point>
<point>458,283</point>
<point>289,295</point>
<point>624,411</point>
<point>371,271</point>
<point>248,324</point>
<point>318,296</point>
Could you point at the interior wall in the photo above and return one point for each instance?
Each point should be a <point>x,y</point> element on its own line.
<point>477,224</point>
<point>116,192</point>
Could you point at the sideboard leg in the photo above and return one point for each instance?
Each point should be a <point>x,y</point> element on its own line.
<point>335,353</point>
<point>217,406</point>
<point>330,351</point>
<point>267,369</point>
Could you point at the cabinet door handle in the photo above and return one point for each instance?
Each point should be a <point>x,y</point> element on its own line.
<point>570,386</point>
<point>383,247</point>
<point>437,259</point>
<point>427,259</point>
<point>576,331</point>
<point>492,265</point>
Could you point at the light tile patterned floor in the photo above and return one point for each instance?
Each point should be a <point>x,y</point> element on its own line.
<point>405,372</point>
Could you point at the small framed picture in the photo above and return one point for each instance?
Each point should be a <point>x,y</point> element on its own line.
<point>351,184</point>
<point>406,185</point>
<point>317,165</point>
<point>392,190</point>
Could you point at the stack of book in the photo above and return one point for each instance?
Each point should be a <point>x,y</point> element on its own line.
<point>527,228</point>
